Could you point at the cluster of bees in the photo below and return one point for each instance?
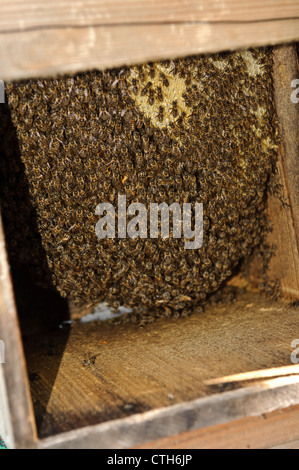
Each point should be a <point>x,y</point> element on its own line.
<point>200,129</point>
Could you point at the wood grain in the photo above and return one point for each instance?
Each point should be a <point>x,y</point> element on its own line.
<point>278,429</point>
<point>166,423</point>
<point>21,15</point>
<point>177,419</point>
<point>19,425</point>
<point>46,39</point>
<point>107,386</point>
<point>256,375</point>
<point>284,265</point>
<point>104,372</point>
<point>285,235</point>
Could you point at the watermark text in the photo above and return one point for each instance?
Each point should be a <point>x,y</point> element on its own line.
<point>187,221</point>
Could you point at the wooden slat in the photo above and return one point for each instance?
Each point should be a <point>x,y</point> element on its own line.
<point>278,429</point>
<point>286,69</point>
<point>97,372</point>
<point>193,416</point>
<point>21,14</point>
<point>19,425</point>
<point>285,265</point>
<point>256,374</point>
<point>60,37</point>
<point>293,444</point>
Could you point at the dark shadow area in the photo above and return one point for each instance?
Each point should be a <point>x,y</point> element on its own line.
<point>40,308</point>
<point>41,314</point>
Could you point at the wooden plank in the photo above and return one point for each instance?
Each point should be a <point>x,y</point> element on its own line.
<point>97,372</point>
<point>285,235</point>
<point>256,374</point>
<point>284,266</point>
<point>29,14</point>
<point>198,414</point>
<point>278,429</point>
<point>19,425</point>
<point>68,49</point>
<point>294,444</point>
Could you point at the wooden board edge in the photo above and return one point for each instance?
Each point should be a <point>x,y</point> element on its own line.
<point>284,265</point>
<point>16,15</point>
<point>286,219</point>
<point>67,50</point>
<point>139,429</point>
<point>274,430</point>
<point>17,413</point>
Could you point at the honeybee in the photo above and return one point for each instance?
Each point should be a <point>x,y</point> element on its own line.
<point>159,94</point>
<point>152,72</point>
<point>188,78</point>
<point>164,79</point>
<point>146,89</point>
<point>151,97</point>
<point>174,109</point>
<point>160,114</point>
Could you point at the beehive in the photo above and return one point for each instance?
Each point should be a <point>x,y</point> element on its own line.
<point>201,129</point>
<point>229,364</point>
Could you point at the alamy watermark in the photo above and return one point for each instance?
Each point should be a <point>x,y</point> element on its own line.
<point>2,352</point>
<point>295,353</point>
<point>2,92</point>
<point>295,93</point>
<point>185,221</point>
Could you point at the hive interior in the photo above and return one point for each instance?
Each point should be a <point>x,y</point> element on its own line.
<point>200,129</point>
<point>222,152</point>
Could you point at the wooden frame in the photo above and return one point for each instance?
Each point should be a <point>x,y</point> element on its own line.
<point>42,39</point>
<point>17,425</point>
<point>286,69</point>
<point>60,40</point>
<point>184,418</point>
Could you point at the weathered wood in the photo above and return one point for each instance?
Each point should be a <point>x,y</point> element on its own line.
<point>285,265</point>
<point>111,387</point>
<point>197,414</point>
<point>101,372</point>
<point>28,14</point>
<point>17,413</point>
<point>278,429</point>
<point>256,374</point>
<point>293,444</point>
<point>45,39</point>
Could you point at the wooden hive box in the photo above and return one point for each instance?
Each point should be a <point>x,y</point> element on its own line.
<point>226,378</point>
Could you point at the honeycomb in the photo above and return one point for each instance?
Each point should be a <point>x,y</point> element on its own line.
<point>199,129</point>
